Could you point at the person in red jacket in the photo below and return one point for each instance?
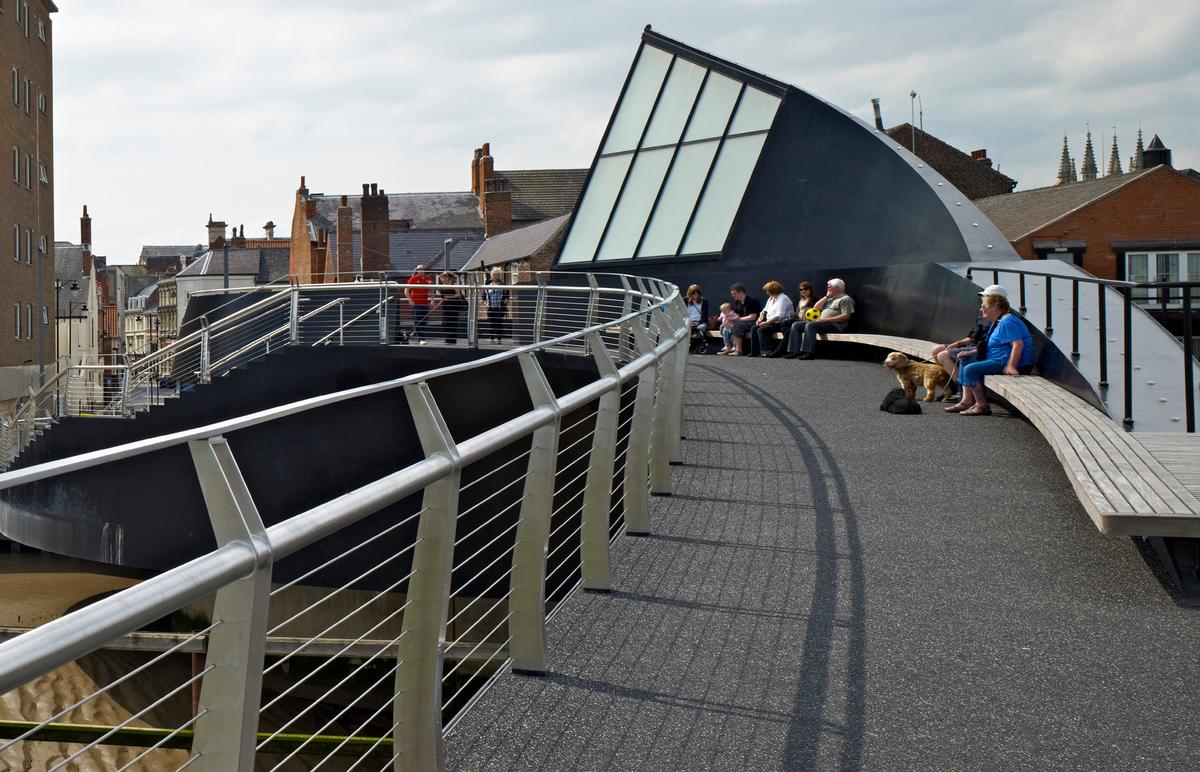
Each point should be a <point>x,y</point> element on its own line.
<point>418,298</point>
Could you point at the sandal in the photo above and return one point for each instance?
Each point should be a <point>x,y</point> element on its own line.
<point>959,408</point>
<point>977,410</point>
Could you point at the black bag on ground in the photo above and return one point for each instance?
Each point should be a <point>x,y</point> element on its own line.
<point>897,404</point>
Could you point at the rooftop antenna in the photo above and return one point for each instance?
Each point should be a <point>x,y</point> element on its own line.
<point>912,120</point>
<point>920,114</point>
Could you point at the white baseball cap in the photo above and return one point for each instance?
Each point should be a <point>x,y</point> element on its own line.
<point>995,289</point>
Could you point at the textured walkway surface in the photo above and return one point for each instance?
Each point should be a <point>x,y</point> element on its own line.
<point>836,587</point>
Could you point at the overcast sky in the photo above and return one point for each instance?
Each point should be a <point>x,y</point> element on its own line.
<point>166,111</point>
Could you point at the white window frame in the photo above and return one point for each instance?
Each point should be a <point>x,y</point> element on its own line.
<point>17,321</point>
<point>29,171</point>
<point>16,85</point>
<point>1150,298</point>
<point>43,174</point>
<point>29,321</point>
<point>27,90</point>
<point>17,243</point>
<point>25,18</point>
<point>41,101</point>
<point>42,244</point>
<point>16,164</point>
<point>29,246</point>
<point>41,30</point>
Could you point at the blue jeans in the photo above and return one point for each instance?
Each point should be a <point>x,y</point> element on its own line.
<point>418,316</point>
<point>972,374</point>
<point>727,336</point>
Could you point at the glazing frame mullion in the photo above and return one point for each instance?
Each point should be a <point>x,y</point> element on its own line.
<point>637,150</point>
<point>662,186</point>
<point>711,167</point>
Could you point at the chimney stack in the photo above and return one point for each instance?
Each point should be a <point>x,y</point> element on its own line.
<point>269,229</point>
<point>343,259</point>
<point>878,115</point>
<point>85,240</point>
<point>374,229</point>
<point>216,233</point>
<point>475,170</point>
<point>497,208</point>
<point>981,156</point>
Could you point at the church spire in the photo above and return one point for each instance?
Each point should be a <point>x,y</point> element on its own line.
<point>1135,163</point>
<point>1064,164</point>
<point>1114,159</point>
<point>1089,159</point>
<point>1074,176</point>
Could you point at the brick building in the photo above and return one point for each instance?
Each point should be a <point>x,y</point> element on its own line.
<point>972,174</point>
<point>27,202</point>
<point>1138,226</point>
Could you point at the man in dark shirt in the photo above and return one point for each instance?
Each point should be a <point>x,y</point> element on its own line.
<point>747,309</point>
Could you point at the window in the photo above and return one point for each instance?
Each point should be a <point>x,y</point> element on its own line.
<point>45,316</point>
<point>29,171</point>
<point>674,164</point>
<point>16,243</point>
<point>28,321</point>
<point>16,164</point>
<point>41,102</point>
<point>17,321</point>
<point>25,18</point>
<point>16,86</point>
<point>1162,267</point>
<point>41,30</point>
<point>29,246</point>
<point>42,244</point>
<point>43,175</point>
<point>27,96</point>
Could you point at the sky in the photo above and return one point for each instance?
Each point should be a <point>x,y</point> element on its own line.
<point>166,111</point>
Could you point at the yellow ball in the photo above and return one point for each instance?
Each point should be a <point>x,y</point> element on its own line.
<point>812,314</point>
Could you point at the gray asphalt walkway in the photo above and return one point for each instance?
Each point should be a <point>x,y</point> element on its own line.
<point>836,587</point>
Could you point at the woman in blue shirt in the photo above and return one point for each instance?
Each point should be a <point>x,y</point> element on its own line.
<point>1009,352</point>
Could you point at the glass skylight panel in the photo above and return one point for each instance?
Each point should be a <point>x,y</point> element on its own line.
<point>674,104</point>
<point>630,216</point>
<point>723,194</point>
<point>594,209</point>
<point>755,112</point>
<point>638,100</point>
<point>712,113</point>
<point>678,199</point>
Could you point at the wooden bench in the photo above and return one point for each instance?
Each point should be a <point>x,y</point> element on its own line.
<point>1129,487</point>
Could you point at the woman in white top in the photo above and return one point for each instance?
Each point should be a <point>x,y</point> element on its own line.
<point>778,308</point>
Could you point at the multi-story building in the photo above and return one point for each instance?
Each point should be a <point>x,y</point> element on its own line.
<point>27,197</point>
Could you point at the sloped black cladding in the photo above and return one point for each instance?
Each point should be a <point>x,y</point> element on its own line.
<point>825,193</point>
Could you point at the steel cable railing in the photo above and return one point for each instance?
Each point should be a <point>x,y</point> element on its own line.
<point>450,592</point>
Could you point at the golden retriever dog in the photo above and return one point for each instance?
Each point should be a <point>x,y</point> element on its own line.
<point>911,374</point>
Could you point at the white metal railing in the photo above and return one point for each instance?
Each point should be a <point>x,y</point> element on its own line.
<point>372,311</point>
<point>510,522</point>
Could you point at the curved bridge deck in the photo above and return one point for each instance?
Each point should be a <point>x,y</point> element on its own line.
<point>833,586</point>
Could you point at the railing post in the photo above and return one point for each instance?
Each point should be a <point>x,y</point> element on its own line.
<point>1102,314</point>
<point>473,311</point>
<point>341,323</point>
<point>418,701</point>
<point>597,496</point>
<point>294,316</point>
<point>205,352</point>
<point>1189,385</point>
<point>1075,319</point>
<point>624,340</point>
<point>593,303</point>
<point>1127,318</point>
<point>1021,284</point>
<point>227,721</point>
<point>527,626</point>
<point>382,315</point>
<point>637,452</point>
<point>1049,308</point>
<point>126,408</point>
<point>539,309</point>
<point>678,383</point>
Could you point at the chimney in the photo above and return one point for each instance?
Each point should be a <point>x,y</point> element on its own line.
<point>878,115</point>
<point>216,233</point>
<point>269,229</point>
<point>303,190</point>
<point>85,240</point>
<point>343,261</point>
<point>475,170</point>
<point>497,209</point>
<point>374,230</point>
<point>238,239</point>
<point>981,156</point>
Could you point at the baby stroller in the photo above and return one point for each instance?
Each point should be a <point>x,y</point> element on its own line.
<point>698,343</point>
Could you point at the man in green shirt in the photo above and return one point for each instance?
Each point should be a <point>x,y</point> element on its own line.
<point>836,309</point>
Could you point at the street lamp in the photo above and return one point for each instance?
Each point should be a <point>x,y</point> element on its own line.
<point>71,328</point>
<point>58,285</point>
